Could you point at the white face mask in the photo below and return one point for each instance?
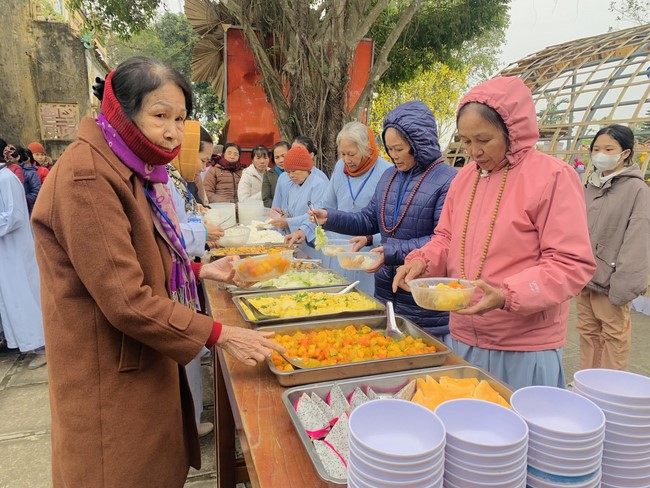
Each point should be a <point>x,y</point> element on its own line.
<point>605,162</point>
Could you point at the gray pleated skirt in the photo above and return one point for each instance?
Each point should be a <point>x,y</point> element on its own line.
<point>516,368</point>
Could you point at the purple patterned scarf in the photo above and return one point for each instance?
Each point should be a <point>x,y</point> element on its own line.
<point>182,283</point>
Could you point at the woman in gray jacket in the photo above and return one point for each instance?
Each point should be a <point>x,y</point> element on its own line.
<point>618,212</point>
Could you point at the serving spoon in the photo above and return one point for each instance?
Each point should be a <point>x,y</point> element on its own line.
<point>346,289</point>
<point>256,312</point>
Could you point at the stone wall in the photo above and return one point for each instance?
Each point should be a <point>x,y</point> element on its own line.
<point>42,62</point>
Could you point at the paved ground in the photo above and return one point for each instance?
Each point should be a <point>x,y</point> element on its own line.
<point>25,416</point>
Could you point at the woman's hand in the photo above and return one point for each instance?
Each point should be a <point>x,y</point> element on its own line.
<point>219,270</point>
<point>280,223</point>
<point>359,243</point>
<point>318,217</point>
<point>406,273</point>
<point>493,298</point>
<point>246,345</point>
<point>297,237</point>
<point>214,231</point>
<point>202,209</point>
<point>380,262</point>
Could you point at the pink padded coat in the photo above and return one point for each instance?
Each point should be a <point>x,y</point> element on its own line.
<point>540,253</point>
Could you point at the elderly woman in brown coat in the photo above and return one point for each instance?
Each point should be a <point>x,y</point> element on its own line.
<point>119,293</point>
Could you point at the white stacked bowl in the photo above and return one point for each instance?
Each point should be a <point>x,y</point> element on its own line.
<point>395,443</point>
<point>486,445</point>
<point>565,443</point>
<point>624,398</point>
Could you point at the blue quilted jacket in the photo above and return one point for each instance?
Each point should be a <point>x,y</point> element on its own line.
<point>416,122</point>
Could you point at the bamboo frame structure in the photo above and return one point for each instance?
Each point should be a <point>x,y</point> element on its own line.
<point>580,86</point>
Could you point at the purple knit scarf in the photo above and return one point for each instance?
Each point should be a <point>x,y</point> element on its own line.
<point>182,283</point>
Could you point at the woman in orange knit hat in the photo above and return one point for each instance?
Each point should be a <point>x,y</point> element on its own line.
<point>296,186</point>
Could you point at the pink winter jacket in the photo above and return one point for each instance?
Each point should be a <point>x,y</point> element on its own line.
<point>540,253</point>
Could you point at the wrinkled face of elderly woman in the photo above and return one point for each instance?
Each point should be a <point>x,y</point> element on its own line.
<point>350,153</point>
<point>162,115</point>
<point>484,142</point>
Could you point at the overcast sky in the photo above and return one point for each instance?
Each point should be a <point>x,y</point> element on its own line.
<point>537,24</point>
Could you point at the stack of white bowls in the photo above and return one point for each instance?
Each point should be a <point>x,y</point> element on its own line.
<point>486,445</point>
<point>625,400</point>
<point>395,443</point>
<point>565,444</point>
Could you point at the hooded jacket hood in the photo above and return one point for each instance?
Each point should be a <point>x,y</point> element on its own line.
<point>415,121</point>
<point>632,171</point>
<point>513,101</point>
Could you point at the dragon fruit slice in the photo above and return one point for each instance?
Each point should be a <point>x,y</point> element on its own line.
<point>332,460</point>
<point>357,398</point>
<point>312,418</point>
<point>407,392</point>
<point>338,437</point>
<point>337,401</point>
<point>327,410</point>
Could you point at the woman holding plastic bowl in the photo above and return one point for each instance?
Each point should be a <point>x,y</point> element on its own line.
<point>405,206</point>
<point>514,222</point>
<point>351,188</point>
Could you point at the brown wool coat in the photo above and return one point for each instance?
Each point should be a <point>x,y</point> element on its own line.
<point>122,413</point>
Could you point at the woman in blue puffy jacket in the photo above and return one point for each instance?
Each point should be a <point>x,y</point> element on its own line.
<point>405,207</point>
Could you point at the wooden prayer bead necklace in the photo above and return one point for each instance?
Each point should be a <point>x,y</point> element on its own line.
<point>490,229</point>
<point>408,203</point>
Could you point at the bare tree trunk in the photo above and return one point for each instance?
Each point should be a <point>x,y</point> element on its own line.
<point>316,49</point>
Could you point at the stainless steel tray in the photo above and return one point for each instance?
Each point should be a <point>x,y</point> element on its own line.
<point>265,245</point>
<point>364,368</point>
<point>239,291</point>
<point>386,384</point>
<point>332,289</point>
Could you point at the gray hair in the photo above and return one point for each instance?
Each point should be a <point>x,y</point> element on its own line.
<point>358,134</point>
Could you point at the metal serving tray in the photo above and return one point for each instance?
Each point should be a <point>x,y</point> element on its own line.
<point>385,384</point>
<point>240,291</point>
<point>364,368</point>
<point>266,245</point>
<point>332,289</point>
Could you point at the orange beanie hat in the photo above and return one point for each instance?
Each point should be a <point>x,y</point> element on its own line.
<point>298,158</point>
<point>36,147</point>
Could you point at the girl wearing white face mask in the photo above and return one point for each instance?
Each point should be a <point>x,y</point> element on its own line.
<point>618,212</point>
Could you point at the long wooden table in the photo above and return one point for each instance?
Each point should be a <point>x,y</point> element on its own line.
<point>248,404</point>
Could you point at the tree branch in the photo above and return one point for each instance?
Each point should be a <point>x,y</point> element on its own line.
<point>381,62</point>
<point>369,21</point>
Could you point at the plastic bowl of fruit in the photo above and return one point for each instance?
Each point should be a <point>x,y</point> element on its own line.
<point>336,246</point>
<point>442,294</point>
<point>358,260</point>
<point>263,267</point>
<point>235,236</point>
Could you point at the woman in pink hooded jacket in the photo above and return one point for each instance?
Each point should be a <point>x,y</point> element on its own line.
<point>514,221</point>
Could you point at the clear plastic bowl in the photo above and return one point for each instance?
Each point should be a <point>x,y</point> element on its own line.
<point>263,267</point>
<point>235,236</point>
<point>435,294</point>
<point>358,260</point>
<point>336,246</point>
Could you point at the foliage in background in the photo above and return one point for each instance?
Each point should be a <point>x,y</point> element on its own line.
<point>457,33</point>
<point>170,38</point>
<point>122,18</point>
<point>637,11</point>
<point>440,87</point>
<point>308,45</point>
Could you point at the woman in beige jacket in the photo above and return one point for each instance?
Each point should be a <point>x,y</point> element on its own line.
<point>618,212</point>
